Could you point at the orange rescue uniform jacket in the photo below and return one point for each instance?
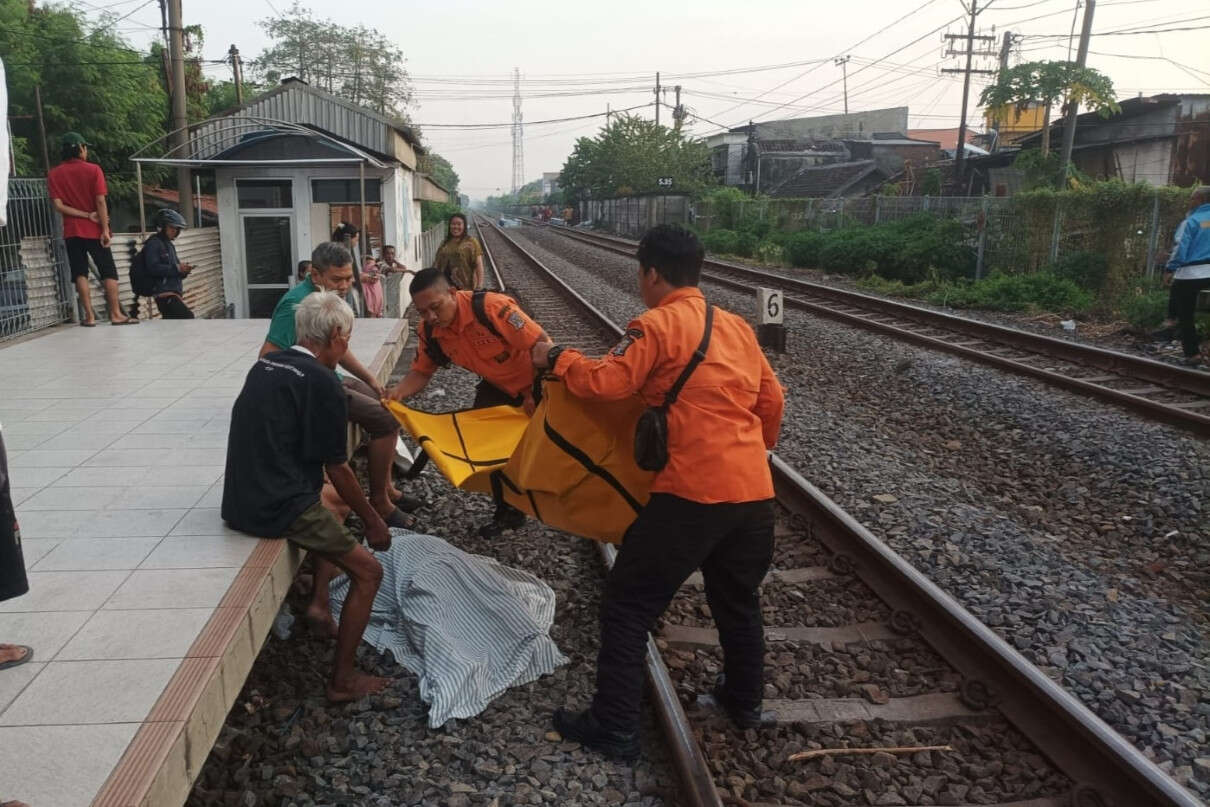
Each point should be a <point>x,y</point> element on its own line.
<point>505,364</point>
<point>728,413</point>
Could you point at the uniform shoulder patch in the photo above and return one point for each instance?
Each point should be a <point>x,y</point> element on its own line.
<point>516,320</point>
<point>628,339</point>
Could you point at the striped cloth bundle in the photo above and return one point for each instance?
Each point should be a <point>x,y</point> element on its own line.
<point>467,626</point>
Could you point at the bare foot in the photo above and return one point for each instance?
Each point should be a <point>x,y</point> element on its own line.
<point>321,621</point>
<point>357,686</point>
<point>13,804</point>
<point>12,652</point>
<point>395,493</point>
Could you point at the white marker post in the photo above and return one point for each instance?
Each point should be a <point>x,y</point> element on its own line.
<point>770,317</point>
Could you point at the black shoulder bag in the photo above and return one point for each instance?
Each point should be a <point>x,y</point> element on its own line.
<point>651,432</point>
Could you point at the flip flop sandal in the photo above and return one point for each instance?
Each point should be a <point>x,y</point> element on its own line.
<point>82,325</point>
<point>29,653</point>
<point>126,322</point>
<point>400,520</point>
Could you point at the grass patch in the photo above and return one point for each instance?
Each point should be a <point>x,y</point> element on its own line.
<point>1040,291</point>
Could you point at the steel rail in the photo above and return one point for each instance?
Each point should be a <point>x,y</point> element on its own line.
<point>1103,764</point>
<point>696,780</point>
<point>1107,770</point>
<point>1124,367</point>
<point>487,253</point>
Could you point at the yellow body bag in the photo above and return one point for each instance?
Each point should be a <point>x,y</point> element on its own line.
<point>570,466</point>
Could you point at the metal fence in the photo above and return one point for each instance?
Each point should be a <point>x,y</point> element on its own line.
<point>427,244</point>
<point>1009,236</point>
<point>35,291</point>
<point>631,216</point>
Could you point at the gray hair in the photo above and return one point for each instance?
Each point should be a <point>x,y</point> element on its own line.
<point>318,314</point>
<point>1202,192</point>
<point>329,254</point>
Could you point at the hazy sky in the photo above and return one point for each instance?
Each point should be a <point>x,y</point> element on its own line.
<point>577,57</point>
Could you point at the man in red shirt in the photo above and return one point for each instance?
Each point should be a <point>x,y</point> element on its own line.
<point>77,190</point>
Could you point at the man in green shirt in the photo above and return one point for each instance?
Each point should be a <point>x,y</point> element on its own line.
<point>332,270</point>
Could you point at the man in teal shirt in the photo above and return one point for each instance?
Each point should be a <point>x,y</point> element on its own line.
<point>332,270</point>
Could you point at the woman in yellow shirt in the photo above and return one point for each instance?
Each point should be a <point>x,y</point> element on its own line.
<point>460,258</point>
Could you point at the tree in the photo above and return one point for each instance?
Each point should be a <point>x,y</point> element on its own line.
<point>93,83</point>
<point>629,156</point>
<point>1046,83</point>
<point>355,62</point>
<point>440,170</point>
<point>196,84</point>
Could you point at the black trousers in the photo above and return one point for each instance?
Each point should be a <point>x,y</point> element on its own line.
<point>172,307</point>
<point>487,394</point>
<point>1182,307</point>
<point>13,582</point>
<point>733,545</point>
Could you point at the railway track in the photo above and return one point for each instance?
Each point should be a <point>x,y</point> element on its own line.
<point>1161,391</point>
<point>971,692</point>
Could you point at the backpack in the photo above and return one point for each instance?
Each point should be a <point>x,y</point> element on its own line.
<point>141,283</point>
<point>479,307</point>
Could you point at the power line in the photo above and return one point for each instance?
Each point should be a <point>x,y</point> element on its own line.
<point>886,27</point>
<point>876,61</point>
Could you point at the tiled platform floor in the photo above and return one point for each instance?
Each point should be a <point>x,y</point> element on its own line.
<point>116,443</point>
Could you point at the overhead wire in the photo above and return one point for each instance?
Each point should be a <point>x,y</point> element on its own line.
<point>881,30</point>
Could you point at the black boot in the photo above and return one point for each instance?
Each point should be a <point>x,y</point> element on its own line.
<point>583,728</point>
<point>507,517</point>
<point>744,717</point>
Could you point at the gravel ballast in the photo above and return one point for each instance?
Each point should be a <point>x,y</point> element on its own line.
<point>283,744</point>
<point>1075,529</point>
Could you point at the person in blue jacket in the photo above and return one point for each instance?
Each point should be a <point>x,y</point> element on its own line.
<point>1188,273</point>
<point>165,268</point>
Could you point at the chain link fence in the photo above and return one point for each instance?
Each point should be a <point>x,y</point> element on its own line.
<point>35,291</point>
<point>631,216</point>
<point>1010,235</point>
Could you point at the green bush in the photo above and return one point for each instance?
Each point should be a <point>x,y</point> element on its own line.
<point>1038,291</point>
<point>1041,291</point>
<point>1086,269</point>
<point>745,243</point>
<point>802,248</point>
<point>721,241</point>
<point>910,250</point>
<point>770,251</point>
<point>1145,308</point>
<point>436,212</point>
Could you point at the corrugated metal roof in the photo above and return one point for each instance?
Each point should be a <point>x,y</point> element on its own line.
<point>295,102</point>
<point>298,103</point>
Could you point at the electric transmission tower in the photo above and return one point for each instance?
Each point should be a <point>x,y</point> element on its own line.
<point>518,144</point>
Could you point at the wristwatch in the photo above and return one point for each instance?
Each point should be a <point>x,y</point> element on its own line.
<point>552,356</point>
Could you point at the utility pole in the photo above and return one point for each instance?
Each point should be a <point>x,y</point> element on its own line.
<point>42,128</point>
<point>1005,46</point>
<point>518,136</point>
<point>843,64</point>
<point>237,73</point>
<point>657,99</point>
<point>969,53</point>
<point>608,115</point>
<point>678,112</point>
<point>180,119</point>
<point>1069,124</point>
